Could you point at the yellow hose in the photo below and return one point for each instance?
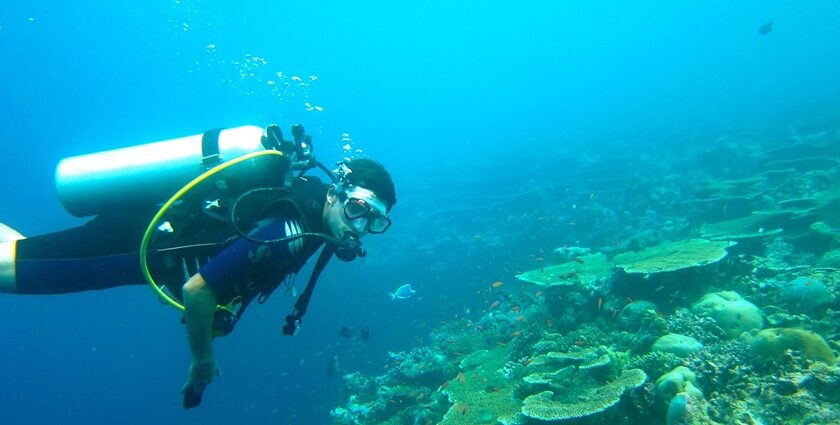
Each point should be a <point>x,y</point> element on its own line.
<point>144,245</point>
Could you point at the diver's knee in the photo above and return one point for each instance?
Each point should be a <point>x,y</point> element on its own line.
<point>8,282</point>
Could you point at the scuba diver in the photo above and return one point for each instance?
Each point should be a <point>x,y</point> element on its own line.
<point>244,222</point>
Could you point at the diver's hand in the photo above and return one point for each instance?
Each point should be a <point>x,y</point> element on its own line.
<point>199,377</point>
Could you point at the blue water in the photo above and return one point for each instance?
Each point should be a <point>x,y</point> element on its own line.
<point>460,100</point>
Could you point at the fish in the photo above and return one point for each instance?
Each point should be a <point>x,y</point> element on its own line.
<point>497,284</point>
<point>345,332</point>
<point>494,305</point>
<point>364,333</point>
<point>332,366</point>
<point>403,292</point>
<point>765,28</point>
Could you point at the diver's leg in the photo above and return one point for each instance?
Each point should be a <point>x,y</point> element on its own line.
<point>100,254</point>
<point>7,267</point>
<point>8,248</point>
<point>43,276</point>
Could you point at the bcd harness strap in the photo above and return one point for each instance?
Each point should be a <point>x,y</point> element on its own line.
<point>293,320</point>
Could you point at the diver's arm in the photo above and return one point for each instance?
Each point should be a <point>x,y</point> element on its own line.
<point>200,307</point>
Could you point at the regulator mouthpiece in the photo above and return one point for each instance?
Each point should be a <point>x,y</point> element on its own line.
<point>349,248</point>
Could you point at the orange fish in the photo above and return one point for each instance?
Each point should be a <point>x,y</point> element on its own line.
<point>495,304</point>
<point>443,385</point>
<point>460,378</point>
<point>497,284</point>
<point>527,362</point>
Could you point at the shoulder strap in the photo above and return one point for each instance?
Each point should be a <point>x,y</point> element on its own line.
<point>293,320</point>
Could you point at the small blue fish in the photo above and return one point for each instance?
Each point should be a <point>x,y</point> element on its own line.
<point>765,28</point>
<point>403,292</point>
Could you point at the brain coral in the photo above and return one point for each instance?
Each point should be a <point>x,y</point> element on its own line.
<point>733,314</point>
<point>773,343</point>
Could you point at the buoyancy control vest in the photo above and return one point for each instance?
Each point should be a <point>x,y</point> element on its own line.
<point>189,236</point>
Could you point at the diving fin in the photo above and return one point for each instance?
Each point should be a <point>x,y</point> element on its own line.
<point>192,397</point>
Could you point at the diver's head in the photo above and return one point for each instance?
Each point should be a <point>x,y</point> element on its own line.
<point>359,203</point>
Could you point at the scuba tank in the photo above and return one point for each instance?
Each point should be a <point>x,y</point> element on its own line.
<point>148,174</point>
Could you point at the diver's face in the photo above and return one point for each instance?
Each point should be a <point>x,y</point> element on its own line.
<point>335,220</point>
<point>358,212</point>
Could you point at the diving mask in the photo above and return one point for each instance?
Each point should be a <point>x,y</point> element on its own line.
<point>364,211</point>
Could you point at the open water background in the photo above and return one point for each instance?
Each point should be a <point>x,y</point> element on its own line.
<point>460,100</point>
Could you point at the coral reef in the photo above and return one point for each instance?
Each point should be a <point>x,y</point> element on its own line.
<point>673,256</point>
<point>679,345</point>
<point>548,406</point>
<point>733,314</point>
<point>585,270</point>
<point>672,279</point>
<point>775,343</point>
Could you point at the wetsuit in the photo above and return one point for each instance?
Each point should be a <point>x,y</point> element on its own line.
<point>103,253</point>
